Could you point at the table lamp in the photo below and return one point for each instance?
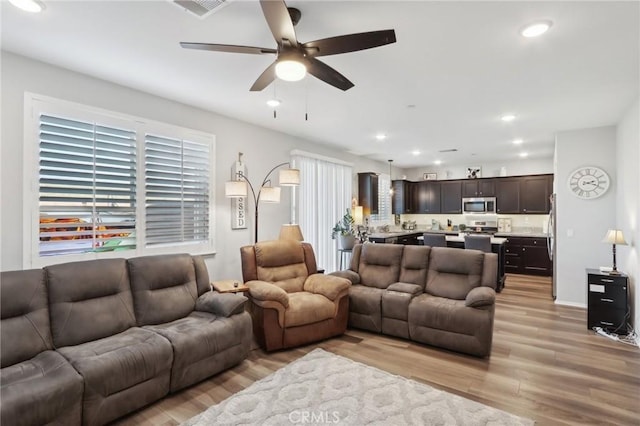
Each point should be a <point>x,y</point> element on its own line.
<point>614,236</point>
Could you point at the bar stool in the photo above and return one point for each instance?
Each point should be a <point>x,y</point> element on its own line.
<point>435,240</point>
<point>478,242</point>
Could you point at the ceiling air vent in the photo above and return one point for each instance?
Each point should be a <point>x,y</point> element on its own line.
<point>202,8</point>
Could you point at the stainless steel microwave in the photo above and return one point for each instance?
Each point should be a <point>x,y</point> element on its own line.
<point>480,205</point>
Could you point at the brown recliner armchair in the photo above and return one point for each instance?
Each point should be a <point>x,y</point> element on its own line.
<point>291,304</point>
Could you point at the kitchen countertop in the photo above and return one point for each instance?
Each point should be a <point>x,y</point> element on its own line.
<point>521,234</point>
<point>499,235</point>
<point>457,239</point>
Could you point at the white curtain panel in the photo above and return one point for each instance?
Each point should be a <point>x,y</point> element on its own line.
<point>324,196</point>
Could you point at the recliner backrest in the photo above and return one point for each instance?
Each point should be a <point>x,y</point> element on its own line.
<point>284,263</point>
<point>24,328</point>
<point>414,266</point>
<point>164,287</point>
<point>89,300</point>
<point>380,264</point>
<point>453,272</point>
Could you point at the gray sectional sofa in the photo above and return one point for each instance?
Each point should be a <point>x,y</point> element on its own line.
<point>88,342</point>
<point>435,295</point>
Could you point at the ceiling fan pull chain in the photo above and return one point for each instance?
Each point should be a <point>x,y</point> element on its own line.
<point>306,100</point>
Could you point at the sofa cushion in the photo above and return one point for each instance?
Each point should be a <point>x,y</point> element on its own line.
<point>24,328</point>
<point>42,390</point>
<point>412,289</point>
<point>365,307</point>
<point>454,272</point>
<point>442,313</point>
<point>202,275</point>
<point>415,262</point>
<point>118,362</point>
<point>198,337</point>
<point>380,264</point>
<point>307,308</point>
<point>164,287</point>
<point>89,300</point>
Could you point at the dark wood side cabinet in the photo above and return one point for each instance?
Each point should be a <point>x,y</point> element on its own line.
<point>527,255</point>
<point>368,192</point>
<point>608,302</point>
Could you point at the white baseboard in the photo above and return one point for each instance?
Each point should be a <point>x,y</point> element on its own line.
<point>573,304</point>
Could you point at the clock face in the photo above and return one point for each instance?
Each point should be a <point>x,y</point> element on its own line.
<point>588,182</point>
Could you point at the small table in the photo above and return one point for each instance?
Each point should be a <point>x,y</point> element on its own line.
<point>227,286</point>
<point>342,254</point>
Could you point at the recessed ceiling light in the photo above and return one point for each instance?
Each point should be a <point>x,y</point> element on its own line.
<point>517,141</point>
<point>32,6</point>
<point>524,154</point>
<point>437,162</point>
<point>508,117</point>
<point>273,103</point>
<point>536,29</point>
<point>381,136</point>
<point>415,152</point>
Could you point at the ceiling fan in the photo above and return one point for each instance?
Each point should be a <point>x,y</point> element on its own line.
<point>295,59</point>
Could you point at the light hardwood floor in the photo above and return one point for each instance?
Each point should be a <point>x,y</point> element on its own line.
<point>544,365</point>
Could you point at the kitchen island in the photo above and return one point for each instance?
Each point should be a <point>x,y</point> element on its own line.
<point>453,240</point>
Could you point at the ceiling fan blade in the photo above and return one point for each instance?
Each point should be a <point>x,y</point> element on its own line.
<point>265,79</point>
<point>229,48</point>
<point>279,21</point>
<point>349,43</point>
<point>327,74</point>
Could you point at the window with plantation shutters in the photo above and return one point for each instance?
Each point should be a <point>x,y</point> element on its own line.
<point>87,181</point>
<point>177,176</point>
<point>101,184</point>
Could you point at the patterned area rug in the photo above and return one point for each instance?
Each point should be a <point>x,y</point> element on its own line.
<point>324,388</point>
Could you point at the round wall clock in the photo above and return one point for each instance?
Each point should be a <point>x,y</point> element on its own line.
<point>588,182</point>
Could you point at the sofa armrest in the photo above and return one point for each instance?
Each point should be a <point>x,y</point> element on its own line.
<point>490,270</point>
<point>330,286</point>
<point>352,276</point>
<point>267,292</point>
<point>413,289</point>
<point>220,304</point>
<point>480,296</point>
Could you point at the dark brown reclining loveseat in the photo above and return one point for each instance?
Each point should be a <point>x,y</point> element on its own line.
<point>435,295</point>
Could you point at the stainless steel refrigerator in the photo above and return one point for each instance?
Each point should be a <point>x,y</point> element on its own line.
<point>551,241</point>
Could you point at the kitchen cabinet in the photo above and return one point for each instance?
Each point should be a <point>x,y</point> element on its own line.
<point>368,192</point>
<point>429,197</point>
<point>534,194</point>
<point>404,198</point>
<point>451,196</point>
<point>507,195</point>
<point>479,188</point>
<point>527,255</point>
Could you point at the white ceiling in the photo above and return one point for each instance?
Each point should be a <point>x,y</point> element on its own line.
<point>462,64</point>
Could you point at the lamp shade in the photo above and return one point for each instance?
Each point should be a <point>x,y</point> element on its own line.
<point>289,177</point>
<point>614,236</point>
<point>358,215</point>
<point>270,194</point>
<point>235,189</point>
<point>291,232</point>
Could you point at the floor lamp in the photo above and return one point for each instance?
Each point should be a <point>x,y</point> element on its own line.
<point>269,194</point>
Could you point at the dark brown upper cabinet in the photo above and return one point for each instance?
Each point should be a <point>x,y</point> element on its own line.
<point>429,197</point>
<point>507,195</point>
<point>478,188</point>
<point>534,194</point>
<point>368,192</point>
<point>451,196</point>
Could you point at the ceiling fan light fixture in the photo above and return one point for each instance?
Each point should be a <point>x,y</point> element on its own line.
<point>32,6</point>
<point>290,70</point>
<point>536,29</point>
